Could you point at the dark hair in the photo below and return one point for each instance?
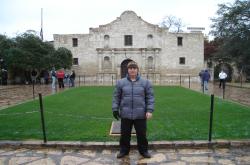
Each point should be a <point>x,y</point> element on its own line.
<point>132,64</point>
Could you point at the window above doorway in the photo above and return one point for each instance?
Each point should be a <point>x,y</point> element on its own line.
<point>150,36</point>
<point>128,40</point>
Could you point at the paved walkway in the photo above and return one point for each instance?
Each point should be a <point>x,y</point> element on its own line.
<point>222,156</point>
<point>14,94</point>
<point>233,92</point>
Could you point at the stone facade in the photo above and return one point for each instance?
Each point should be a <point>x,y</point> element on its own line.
<point>108,48</point>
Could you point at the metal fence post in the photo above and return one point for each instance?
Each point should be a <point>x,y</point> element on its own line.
<point>103,79</point>
<point>33,88</point>
<point>211,118</point>
<point>223,90</point>
<point>112,80</point>
<point>203,87</point>
<point>189,81</point>
<point>241,80</point>
<point>180,79</point>
<point>79,81</point>
<point>42,118</point>
<point>55,84</point>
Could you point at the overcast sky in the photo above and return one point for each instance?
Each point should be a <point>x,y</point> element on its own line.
<point>77,16</point>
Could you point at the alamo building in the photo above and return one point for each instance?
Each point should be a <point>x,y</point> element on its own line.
<point>107,49</point>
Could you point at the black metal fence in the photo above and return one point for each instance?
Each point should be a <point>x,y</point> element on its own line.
<point>156,79</point>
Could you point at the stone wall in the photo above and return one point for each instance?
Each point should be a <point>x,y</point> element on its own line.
<point>150,42</point>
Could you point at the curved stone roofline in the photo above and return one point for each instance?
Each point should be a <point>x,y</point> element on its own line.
<point>124,15</point>
<point>128,12</point>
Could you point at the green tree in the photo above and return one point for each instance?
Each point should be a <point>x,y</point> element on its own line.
<point>232,27</point>
<point>34,50</point>
<point>62,58</point>
<point>5,44</point>
<point>29,53</point>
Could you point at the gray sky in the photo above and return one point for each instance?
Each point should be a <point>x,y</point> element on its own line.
<point>77,16</point>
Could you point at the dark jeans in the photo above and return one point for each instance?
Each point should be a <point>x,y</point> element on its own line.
<point>223,82</point>
<point>72,81</point>
<point>4,82</point>
<point>140,128</point>
<point>60,82</point>
<point>46,81</point>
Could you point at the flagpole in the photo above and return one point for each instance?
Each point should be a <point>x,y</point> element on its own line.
<point>41,32</point>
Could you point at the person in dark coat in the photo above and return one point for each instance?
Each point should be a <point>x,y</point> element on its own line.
<point>4,77</point>
<point>72,78</point>
<point>33,76</point>
<point>200,75</point>
<point>205,79</point>
<point>133,102</point>
<point>46,77</point>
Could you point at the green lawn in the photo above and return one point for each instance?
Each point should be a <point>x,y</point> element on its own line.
<point>84,114</point>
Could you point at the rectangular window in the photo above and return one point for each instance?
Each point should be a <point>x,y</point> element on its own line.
<point>128,40</point>
<point>75,61</point>
<point>182,60</point>
<point>74,42</point>
<point>179,41</point>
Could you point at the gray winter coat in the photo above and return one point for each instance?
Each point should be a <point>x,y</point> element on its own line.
<point>133,99</point>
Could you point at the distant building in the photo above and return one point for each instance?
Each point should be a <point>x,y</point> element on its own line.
<point>106,50</point>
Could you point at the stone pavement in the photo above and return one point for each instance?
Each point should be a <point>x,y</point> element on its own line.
<point>233,92</point>
<point>15,94</point>
<point>53,156</point>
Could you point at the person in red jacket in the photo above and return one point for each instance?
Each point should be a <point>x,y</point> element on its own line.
<point>60,77</point>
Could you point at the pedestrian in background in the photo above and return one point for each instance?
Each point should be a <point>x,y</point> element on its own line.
<point>72,78</point>
<point>33,76</point>
<point>222,77</point>
<point>133,102</point>
<point>4,77</point>
<point>53,77</point>
<point>60,77</point>
<point>200,75</point>
<point>46,77</point>
<point>205,79</point>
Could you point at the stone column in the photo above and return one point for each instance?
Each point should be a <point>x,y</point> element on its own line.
<point>143,58</point>
<point>100,60</point>
<point>157,60</point>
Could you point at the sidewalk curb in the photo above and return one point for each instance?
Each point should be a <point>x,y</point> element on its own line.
<point>109,145</point>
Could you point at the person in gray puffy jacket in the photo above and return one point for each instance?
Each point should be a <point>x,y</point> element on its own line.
<point>133,102</point>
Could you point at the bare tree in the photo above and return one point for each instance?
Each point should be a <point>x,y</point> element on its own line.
<point>173,23</point>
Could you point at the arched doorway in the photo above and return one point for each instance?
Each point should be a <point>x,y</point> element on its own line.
<point>124,69</point>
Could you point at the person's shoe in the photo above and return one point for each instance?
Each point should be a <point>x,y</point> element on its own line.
<point>121,155</point>
<point>146,155</point>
